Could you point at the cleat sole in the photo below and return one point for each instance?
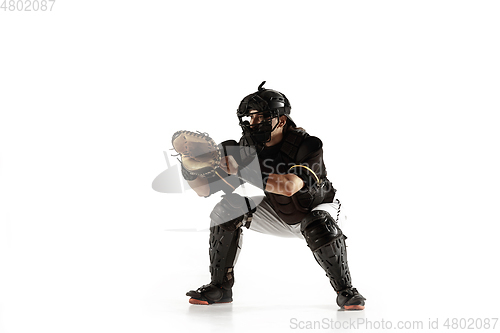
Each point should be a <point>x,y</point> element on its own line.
<point>354,307</point>
<point>200,302</point>
<point>197,301</point>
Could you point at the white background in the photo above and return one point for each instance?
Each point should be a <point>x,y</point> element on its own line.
<point>404,95</point>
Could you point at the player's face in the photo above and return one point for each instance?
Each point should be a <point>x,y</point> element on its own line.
<point>257,117</point>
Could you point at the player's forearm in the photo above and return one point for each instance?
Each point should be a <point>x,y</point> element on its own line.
<point>200,186</point>
<point>287,184</point>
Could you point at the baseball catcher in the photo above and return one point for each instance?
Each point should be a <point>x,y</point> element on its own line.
<point>298,200</point>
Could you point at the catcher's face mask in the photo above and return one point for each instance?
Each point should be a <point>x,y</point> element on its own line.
<point>256,112</point>
<point>257,126</point>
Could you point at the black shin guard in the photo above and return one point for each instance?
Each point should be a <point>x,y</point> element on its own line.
<point>228,216</point>
<point>333,259</point>
<point>326,241</point>
<point>224,248</point>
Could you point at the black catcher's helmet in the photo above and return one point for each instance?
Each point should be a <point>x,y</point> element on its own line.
<point>267,103</point>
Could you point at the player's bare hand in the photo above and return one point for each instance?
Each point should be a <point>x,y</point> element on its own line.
<point>229,165</point>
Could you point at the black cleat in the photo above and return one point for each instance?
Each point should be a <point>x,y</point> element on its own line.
<point>350,299</point>
<point>210,294</point>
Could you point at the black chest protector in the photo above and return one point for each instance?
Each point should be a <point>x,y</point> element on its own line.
<point>297,148</point>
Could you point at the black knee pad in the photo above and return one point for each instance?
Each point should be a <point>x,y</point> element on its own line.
<point>319,229</point>
<point>231,211</point>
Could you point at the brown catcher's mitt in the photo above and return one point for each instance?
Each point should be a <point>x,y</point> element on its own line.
<point>200,155</point>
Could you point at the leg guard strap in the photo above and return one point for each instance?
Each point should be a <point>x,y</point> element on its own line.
<point>233,211</point>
